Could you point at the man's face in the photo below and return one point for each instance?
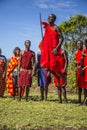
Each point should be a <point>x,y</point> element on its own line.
<point>51,19</point>
<point>27,44</point>
<point>79,45</point>
<point>18,52</point>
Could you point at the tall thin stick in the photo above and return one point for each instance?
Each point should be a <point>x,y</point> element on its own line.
<point>41,27</point>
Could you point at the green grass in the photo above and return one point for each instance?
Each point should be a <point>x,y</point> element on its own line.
<point>42,115</point>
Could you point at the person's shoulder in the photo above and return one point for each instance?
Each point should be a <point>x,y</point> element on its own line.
<point>79,50</point>
<point>84,50</point>
<point>32,52</point>
<point>3,57</point>
<point>76,51</point>
<point>45,24</point>
<point>22,52</point>
<point>12,57</point>
<point>56,27</point>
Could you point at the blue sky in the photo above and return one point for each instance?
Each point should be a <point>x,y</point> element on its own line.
<point>19,20</point>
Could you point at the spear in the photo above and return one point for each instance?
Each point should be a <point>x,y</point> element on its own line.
<point>41,27</point>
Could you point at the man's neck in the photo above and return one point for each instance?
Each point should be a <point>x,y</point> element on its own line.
<point>51,24</point>
<point>80,48</point>
<point>26,49</point>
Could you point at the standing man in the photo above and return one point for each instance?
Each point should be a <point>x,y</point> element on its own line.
<point>27,63</point>
<point>79,76</point>
<point>50,45</point>
<point>43,77</point>
<point>63,57</point>
<point>3,65</point>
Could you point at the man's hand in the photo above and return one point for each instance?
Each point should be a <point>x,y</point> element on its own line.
<point>55,51</point>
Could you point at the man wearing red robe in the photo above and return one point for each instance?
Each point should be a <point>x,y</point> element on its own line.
<point>50,46</point>
<point>79,76</point>
<point>63,58</point>
<point>27,63</point>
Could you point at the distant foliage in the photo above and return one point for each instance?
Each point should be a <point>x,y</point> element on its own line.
<point>73,30</point>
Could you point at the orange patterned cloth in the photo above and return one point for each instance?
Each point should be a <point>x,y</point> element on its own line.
<point>13,63</point>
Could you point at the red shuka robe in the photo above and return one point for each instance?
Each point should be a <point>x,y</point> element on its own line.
<point>25,78</point>
<point>50,41</point>
<point>61,64</point>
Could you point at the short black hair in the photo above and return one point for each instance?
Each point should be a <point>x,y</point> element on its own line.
<point>16,48</point>
<point>27,41</point>
<point>80,41</point>
<point>53,16</point>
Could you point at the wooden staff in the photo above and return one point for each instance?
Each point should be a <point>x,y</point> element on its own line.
<point>41,27</point>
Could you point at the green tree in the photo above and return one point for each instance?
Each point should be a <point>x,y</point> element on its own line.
<point>73,30</point>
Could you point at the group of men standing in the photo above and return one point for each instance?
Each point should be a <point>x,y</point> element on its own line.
<point>51,59</point>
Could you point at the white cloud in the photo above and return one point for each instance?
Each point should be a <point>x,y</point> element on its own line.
<point>54,4</point>
<point>41,3</point>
